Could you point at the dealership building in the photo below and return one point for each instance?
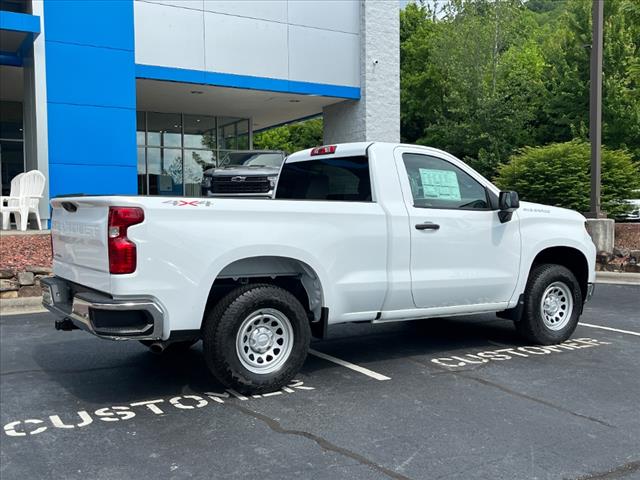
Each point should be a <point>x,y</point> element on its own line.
<point>140,96</point>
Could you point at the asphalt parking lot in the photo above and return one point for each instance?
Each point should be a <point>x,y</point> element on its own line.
<point>456,398</point>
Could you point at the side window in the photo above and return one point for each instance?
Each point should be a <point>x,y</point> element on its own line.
<point>436,183</point>
<point>343,179</point>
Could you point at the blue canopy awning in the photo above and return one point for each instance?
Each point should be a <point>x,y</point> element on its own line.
<point>17,31</point>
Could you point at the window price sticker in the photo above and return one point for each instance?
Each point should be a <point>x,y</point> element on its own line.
<point>440,184</point>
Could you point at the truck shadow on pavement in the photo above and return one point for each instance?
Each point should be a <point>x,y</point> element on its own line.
<point>106,372</point>
<point>431,337</point>
<point>112,373</point>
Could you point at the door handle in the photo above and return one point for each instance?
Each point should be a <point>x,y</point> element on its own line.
<point>427,226</point>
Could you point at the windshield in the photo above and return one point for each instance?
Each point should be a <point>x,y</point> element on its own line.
<point>252,159</point>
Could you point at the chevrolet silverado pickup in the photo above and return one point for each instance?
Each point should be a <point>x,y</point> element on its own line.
<point>244,174</point>
<point>360,232</point>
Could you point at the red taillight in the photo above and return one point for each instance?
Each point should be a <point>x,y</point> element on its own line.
<point>122,251</point>
<point>323,150</point>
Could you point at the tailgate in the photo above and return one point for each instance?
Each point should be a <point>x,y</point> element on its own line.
<point>79,237</point>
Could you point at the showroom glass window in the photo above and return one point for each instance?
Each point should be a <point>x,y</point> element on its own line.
<point>17,6</point>
<point>11,143</point>
<point>175,149</point>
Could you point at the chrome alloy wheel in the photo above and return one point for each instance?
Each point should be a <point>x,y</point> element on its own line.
<point>264,341</point>
<point>556,306</point>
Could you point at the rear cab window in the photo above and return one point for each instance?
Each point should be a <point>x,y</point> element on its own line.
<point>343,179</point>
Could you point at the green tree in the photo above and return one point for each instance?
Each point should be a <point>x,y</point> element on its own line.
<point>471,81</point>
<point>422,86</point>
<point>291,137</point>
<point>484,78</point>
<point>558,174</point>
<point>567,53</point>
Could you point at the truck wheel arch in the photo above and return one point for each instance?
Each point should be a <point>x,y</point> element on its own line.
<point>289,273</point>
<point>569,257</point>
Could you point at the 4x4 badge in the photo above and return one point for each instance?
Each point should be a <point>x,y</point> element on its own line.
<point>189,203</point>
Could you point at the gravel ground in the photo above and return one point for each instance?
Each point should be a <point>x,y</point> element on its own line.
<point>20,251</point>
<point>628,235</point>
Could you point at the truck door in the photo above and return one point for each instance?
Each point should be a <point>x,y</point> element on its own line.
<point>461,254</point>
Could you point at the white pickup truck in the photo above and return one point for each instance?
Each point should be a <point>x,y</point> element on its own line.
<point>360,232</point>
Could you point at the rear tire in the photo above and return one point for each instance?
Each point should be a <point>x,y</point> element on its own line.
<point>256,338</point>
<point>552,305</point>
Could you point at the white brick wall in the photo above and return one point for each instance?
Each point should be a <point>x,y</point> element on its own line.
<point>377,115</point>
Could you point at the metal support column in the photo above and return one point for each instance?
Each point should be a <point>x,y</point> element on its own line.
<point>595,108</point>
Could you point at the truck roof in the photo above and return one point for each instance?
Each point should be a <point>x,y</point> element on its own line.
<point>355,149</point>
<point>352,149</point>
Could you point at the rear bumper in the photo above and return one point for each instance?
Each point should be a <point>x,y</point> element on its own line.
<point>102,315</point>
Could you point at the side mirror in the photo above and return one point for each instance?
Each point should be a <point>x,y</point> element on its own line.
<point>508,202</point>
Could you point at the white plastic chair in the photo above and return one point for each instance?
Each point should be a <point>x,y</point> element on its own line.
<point>24,197</point>
<point>13,193</point>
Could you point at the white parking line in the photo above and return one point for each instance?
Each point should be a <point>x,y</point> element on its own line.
<point>628,332</point>
<point>356,368</point>
<point>239,396</point>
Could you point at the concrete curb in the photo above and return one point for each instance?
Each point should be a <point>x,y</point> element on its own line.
<point>14,306</point>
<point>26,233</point>
<point>618,278</point>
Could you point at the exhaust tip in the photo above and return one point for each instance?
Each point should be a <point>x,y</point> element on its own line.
<point>157,348</point>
